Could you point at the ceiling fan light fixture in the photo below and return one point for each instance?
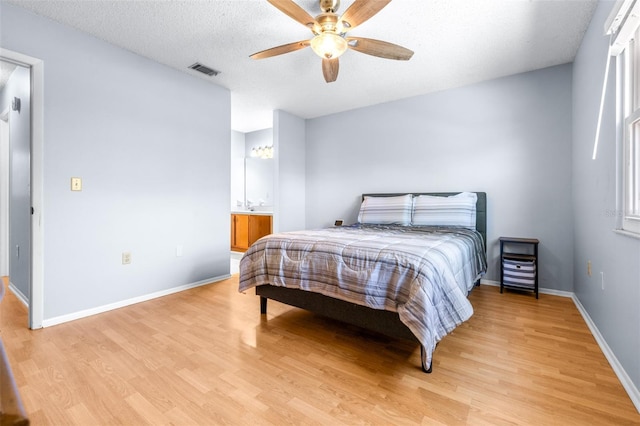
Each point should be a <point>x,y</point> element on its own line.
<point>329,30</point>
<point>329,45</point>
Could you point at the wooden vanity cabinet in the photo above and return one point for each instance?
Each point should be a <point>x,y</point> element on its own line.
<point>239,232</point>
<point>246,229</point>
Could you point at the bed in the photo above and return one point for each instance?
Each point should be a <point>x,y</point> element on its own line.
<point>404,270</point>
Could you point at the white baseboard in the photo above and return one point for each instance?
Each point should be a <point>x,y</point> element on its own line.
<point>21,297</point>
<point>541,290</point>
<point>100,309</point>
<point>624,378</point>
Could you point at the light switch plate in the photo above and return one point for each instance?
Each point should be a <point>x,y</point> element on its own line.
<point>76,184</point>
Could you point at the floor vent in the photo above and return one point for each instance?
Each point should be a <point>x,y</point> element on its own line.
<point>204,69</point>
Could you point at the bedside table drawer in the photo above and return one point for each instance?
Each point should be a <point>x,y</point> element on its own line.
<point>519,263</point>
<point>519,273</point>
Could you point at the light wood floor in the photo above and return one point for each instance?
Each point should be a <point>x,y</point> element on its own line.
<point>206,356</point>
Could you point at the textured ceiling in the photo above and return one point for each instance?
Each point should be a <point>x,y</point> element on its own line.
<point>456,42</point>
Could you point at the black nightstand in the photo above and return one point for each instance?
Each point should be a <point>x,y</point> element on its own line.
<point>519,264</point>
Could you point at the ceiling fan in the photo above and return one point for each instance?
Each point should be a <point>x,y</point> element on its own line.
<point>330,40</point>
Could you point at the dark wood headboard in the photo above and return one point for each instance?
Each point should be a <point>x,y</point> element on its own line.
<point>481,207</point>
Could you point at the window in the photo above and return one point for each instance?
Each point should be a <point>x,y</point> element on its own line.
<point>623,27</point>
<point>630,166</point>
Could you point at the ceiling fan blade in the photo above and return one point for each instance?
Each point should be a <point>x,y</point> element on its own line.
<point>360,11</point>
<point>330,69</point>
<point>279,50</point>
<point>291,9</point>
<point>379,48</point>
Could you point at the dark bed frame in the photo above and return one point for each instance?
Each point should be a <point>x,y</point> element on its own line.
<point>384,322</point>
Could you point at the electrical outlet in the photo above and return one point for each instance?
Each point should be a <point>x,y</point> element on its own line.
<point>179,251</point>
<point>126,258</point>
<point>589,268</point>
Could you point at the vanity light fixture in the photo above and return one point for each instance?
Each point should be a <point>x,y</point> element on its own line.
<point>263,152</point>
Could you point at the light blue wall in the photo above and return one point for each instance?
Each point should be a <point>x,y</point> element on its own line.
<point>290,177</point>
<point>152,146</point>
<point>616,309</point>
<point>257,139</point>
<point>509,137</point>
<point>19,85</point>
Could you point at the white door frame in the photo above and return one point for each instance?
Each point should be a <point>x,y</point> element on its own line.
<point>36,302</point>
<point>4,191</point>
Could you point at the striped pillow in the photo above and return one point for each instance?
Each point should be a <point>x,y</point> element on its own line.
<point>456,210</point>
<point>386,210</point>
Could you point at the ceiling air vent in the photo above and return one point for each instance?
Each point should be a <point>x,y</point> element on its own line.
<point>204,69</point>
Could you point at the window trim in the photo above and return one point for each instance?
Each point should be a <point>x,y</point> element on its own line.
<point>623,27</point>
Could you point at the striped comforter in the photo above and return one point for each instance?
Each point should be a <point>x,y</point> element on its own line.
<point>424,273</point>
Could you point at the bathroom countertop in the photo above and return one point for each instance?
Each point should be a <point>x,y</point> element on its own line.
<point>256,212</point>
